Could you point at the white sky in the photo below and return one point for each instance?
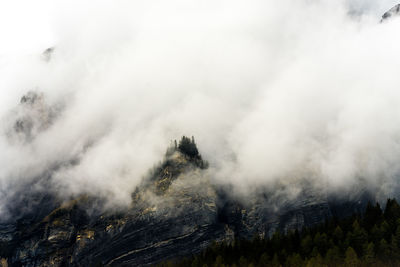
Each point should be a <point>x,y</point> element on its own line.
<point>141,72</point>
<point>28,27</point>
<point>25,26</point>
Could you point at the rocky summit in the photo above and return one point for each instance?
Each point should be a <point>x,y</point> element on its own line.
<point>394,11</point>
<point>176,211</point>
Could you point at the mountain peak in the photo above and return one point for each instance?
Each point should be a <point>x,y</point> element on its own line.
<point>394,11</point>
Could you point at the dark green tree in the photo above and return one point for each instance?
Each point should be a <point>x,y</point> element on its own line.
<point>373,215</point>
<point>294,260</point>
<point>358,237</point>
<point>275,261</point>
<point>321,242</point>
<point>188,147</point>
<point>351,258</point>
<point>333,257</point>
<point>384,250</point>
<point>369,254</point>
<point>243,262</point>
<point>392,212</point>
<point>306,245</point>
<point>264,260</point>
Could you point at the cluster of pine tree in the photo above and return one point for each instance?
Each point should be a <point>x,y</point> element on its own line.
<point>369,239</point>
<point>187,146</point>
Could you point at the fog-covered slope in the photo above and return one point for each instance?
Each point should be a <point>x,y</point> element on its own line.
<point>176,211</point>
<point>314,136</point>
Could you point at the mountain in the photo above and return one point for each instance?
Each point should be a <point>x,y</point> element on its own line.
<point>394,11</point>
<point>175,211</point>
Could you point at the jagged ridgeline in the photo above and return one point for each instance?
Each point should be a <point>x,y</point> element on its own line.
<point>180,159</point>
<point>175,212</point>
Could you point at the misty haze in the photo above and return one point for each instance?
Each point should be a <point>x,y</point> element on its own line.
<point>200,133</point>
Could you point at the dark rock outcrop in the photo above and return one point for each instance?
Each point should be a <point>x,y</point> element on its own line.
<point>47,54</point>
<point>394,11</point>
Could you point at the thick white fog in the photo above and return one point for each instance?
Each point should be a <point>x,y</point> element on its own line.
<point>271,90</point>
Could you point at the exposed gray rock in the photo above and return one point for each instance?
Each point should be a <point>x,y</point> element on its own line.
<point>32,116</point>
<point>48,53</point>
<point>394,11</point>
<point>175,212</point>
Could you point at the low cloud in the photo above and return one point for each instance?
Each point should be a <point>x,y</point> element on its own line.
<point>273,93</point>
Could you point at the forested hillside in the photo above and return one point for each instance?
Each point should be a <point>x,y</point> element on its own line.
<point>368,239</point>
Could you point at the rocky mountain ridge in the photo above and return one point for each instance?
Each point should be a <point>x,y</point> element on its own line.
<point>394,11</point>
<point>176,211</point>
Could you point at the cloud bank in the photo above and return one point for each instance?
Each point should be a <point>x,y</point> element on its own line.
<point>272,91</point>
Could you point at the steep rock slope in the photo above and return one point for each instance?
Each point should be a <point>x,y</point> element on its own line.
<point>176,211</point>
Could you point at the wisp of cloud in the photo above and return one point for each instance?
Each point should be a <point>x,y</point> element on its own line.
<point>273,91</point>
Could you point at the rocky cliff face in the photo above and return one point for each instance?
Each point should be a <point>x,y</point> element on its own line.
<point>173,213</point>
<point>176,211</point>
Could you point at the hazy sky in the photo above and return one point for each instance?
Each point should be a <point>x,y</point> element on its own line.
<point>272,91</point>
<point>28,26</point>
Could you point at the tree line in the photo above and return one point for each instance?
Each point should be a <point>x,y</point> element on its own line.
<point>368,239</point>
